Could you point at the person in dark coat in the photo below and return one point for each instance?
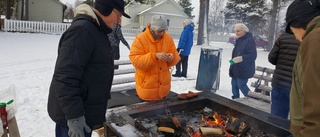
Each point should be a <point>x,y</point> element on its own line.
<point>184,48</point>
<point>282,55</point>
<point>115,37</point>
<point>82,79</point>
<point>242,64</point>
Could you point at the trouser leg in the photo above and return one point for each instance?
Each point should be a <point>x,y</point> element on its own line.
<point>242,84</point>
<point>235,89</point>
<point>184,60</point>
<point>280,102</point>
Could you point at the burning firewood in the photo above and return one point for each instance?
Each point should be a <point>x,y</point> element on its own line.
<point>211,131</point>
<point>232,125</point>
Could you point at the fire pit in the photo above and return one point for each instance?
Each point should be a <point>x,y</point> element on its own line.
<point>145,118</point>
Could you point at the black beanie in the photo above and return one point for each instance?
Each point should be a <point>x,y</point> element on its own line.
<point>300,13</point>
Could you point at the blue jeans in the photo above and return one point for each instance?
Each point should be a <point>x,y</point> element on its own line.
<point>280,102</point>
<point>62,131</point>
<point>239,83</point>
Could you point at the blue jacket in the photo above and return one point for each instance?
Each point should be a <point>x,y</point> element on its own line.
<point>245,47</point>
<point>186,40</point>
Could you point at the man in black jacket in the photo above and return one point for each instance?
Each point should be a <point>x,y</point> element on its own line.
<point>83,74</point>
<point>282,55</point>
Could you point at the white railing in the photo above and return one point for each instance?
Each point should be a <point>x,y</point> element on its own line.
<point>35,26</point>
<point>59,28</point>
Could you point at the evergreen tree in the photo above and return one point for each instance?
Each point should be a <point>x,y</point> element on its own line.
<point>250,12</point>
<point>2,7</point>
<point>186,5</point>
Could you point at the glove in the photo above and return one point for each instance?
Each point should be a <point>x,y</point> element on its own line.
<point>76,127</point>
<point>237,59</point>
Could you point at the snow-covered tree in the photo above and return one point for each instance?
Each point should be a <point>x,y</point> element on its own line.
<point>250,12</point>
<point>186,5</point>
<point>216,17</point>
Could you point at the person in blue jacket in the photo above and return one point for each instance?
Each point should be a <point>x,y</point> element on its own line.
<point>184,48</point>
<point>242,64</point>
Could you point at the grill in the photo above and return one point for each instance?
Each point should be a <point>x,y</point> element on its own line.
<point>263,123</point>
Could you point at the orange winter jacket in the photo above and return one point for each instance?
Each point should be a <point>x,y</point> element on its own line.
<point>152,76</point>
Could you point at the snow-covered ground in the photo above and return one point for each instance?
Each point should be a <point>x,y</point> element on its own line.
<point>27,62</point>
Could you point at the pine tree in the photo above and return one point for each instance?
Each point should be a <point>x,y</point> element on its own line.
<point>250,12</point>
<point>186,5</point>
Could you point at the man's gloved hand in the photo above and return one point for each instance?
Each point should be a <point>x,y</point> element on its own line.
<point>237,59</point>
<point>76,127</point>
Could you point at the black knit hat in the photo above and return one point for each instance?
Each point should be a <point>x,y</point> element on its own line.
<point>300,13</point>
<point>105,7</point>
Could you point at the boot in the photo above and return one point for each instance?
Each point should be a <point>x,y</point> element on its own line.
<point>176,75</point>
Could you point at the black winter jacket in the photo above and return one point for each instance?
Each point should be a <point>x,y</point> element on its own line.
<point>83,73</point>
<point>283,55</point>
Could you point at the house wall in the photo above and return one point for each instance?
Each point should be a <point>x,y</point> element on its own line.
<point>43,10</point>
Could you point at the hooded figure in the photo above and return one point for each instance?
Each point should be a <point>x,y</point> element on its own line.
<point>303,20</point>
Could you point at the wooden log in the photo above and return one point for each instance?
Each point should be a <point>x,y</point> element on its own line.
<point>259,96</point>
<point>211,131</point>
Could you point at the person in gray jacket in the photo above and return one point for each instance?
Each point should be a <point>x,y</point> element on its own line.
<point>83,74</point>
<point>282,55</point>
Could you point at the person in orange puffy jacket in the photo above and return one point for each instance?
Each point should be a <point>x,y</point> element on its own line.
<point>152,53</point>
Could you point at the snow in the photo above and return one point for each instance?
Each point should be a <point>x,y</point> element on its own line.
<point>27,62</point>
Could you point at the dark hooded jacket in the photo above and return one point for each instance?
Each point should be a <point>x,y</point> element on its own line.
<point>245,47</point>
<point>83,72</point>
<point>283,55</point>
